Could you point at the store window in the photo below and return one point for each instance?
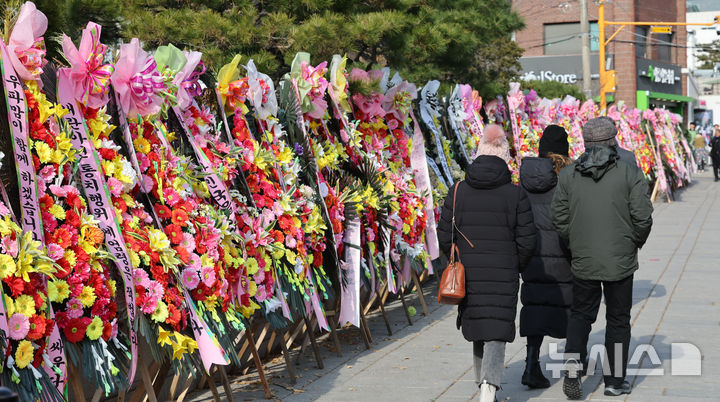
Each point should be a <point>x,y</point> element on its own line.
<point>641,41</point>
<point>565,38</point>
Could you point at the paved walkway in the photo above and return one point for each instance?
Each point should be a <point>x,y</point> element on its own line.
<point>676,300</point>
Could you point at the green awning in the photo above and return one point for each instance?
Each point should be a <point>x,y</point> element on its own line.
<point>670,97</point>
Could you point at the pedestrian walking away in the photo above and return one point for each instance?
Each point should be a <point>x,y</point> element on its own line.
<point>496,217</point>
<point>715,153</point>
<point>700,145</point>
<point>601,206</point>
<point>546,291</point>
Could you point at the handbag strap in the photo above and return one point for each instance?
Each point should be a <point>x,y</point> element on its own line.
<point>454,226</point>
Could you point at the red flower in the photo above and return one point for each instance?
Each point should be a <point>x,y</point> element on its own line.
<point>163,211</point>
<point>183,254</point>
<point>46,202</point>
<point>107,153</point>
<point>173,315</point>
<point>75,330</point>
<point>179,217</point>
<point>65,269</point>
<point>16,285</point>
<point>107,331</point>
<point>74,201</point>
<point>120,204</point>
<point>37,328</point>
<point>72,218</point>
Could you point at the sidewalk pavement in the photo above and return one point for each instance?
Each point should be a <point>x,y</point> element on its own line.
<point>675,300</point>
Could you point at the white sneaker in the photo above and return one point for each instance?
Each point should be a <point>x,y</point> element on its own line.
<point>487,392</point>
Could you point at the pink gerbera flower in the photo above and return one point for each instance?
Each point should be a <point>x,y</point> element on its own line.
<point>55,251</point>
<point>190,278</point>
<point>115,186</point>
<point>141,278</point>
<point>207,274</point>
<point>19,326</point>
<point>74,308</point>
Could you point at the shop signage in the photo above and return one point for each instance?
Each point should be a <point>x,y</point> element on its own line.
<point>658,76</point>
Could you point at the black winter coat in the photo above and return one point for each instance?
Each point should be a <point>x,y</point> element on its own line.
<point>496,217</point>
<point>546,292</point>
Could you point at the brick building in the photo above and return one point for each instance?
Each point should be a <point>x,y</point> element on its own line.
<point>649,66</point>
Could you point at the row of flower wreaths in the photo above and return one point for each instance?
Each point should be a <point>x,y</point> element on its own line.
<point>149,200</point>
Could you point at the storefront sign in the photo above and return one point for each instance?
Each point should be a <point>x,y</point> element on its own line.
<point>657,76</point>
<point>565,69</point>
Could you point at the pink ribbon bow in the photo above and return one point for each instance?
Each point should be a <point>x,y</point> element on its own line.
<point>26,47</point>
<point>88,76</point>
<point>147,83</point>
<point>191,84</point>
<point>137,81</point>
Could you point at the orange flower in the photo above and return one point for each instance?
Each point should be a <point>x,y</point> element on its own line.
<point>179,217</point>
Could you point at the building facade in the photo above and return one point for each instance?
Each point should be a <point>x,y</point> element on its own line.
<point>649,66</point>
<point>703,77</point>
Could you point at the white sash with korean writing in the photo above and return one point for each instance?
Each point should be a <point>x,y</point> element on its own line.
<point>31,219</point>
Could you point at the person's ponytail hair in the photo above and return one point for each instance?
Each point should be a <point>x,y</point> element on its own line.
<point>559,161</point>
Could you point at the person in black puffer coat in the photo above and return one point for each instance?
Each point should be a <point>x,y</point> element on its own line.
<point>546,292</point>
<point>495,235</point>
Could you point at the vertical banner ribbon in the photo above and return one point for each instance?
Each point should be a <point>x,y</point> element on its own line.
<point>210,350</point>
<point>30,220</point>
<point>99,203</point>
<point>350,279</point>
<point>216,186</point>
<point>422,182</point>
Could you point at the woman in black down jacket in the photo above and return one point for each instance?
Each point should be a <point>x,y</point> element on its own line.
<point>495,216</point>
<point>546,292</point>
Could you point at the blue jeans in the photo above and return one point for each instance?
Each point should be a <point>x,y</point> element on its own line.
<point>489,359</point>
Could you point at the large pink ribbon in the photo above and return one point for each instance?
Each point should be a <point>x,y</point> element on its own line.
<point>89,76</point>
<point>137,81</point>
<point>26,48</point>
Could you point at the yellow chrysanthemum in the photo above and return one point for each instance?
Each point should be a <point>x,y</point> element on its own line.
<point>161,312</point>
<point>112,286</point>
<point>251,265</point>
<point>141,145</point>
<point>70,257</point>
<point>95,329</point>
<point>87,296</point>
<point>44,152</point>
<point>24,354</point>
<point>7,266</point>
<point>25,305</point>
<point>57,211</point>
<point>62,289</point>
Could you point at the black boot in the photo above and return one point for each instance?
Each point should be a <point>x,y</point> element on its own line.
<point>533,376</point>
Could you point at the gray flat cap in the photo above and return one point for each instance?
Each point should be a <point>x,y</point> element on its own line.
<point>599,129</point>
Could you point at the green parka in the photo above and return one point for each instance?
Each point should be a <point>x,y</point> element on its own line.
<point>602,209</point>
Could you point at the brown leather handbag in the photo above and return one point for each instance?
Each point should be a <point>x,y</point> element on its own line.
<point>452,284</point>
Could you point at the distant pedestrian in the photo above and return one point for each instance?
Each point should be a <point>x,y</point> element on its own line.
<point>495,235</point>
<point>546,292</point>
<point>700,145</point>
<point>601,206</point>
<point>715,152</point>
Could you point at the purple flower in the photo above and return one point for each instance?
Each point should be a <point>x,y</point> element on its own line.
<point>298,149</point>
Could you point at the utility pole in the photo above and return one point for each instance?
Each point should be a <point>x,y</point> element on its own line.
<point>585,32</point>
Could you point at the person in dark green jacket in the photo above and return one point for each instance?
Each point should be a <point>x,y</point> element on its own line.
<point>602,209</point>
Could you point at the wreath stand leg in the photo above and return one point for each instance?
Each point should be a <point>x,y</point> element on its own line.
<point>211,385</point>
<point>258,363</point>
<point>420,294</point>
<point>331,315</point>
<point>75,382</point>
<point>385,292</point>
<point>364,329</point>
<point>405,308</point>
<point>286,356</point>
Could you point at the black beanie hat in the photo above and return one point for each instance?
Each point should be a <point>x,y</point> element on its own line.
<point>554,140</point>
